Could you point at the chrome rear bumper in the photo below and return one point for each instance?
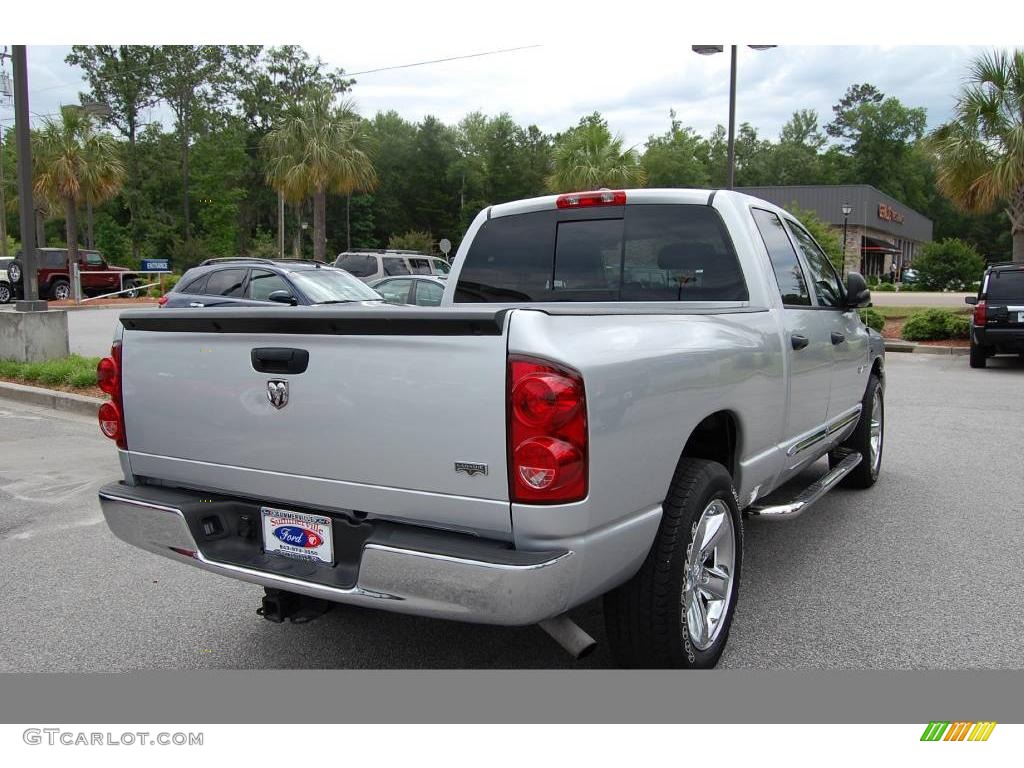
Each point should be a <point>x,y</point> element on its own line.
<point>425,583</point>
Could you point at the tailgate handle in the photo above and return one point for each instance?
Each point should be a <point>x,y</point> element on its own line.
<point>280,360</point>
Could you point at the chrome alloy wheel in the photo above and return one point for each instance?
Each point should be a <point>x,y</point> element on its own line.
<point>875,432</point>
<point>710,566</point>
<point>62,292</point>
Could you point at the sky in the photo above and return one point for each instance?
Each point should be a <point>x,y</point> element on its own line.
<point>634,85</point>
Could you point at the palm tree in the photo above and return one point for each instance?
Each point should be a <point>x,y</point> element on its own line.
<point>980,153</point>
<point>589,157</point>
<point>318,148</point>
<point>74,163</point>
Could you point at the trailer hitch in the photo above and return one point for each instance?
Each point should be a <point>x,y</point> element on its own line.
<point>279,605</point>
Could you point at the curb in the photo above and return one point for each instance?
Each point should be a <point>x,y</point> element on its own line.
<point>927,349</point>
<point>50,398</point>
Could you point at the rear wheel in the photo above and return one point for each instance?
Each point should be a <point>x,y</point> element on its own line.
<point>867,439</point>
<point>133,285</point>
<point>677,610</point>
<point>5,293</point>
<point>14,272</point>
<point>978,356</point>
<point>60,290</point>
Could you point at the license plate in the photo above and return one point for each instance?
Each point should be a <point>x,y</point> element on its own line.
<point>297,535</point>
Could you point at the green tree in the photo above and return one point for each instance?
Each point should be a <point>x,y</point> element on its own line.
<point>949,263</point>
<point>318,148</point>
<point>827,238</point>
<point>123,78</point>
<point>980,153</point>
<point>590,157</point>
<point>676,158</point>
<point>73,162</point>
<point>412,241</point>
<point>190,79</point>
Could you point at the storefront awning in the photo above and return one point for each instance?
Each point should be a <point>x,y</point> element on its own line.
<point>875,245</point>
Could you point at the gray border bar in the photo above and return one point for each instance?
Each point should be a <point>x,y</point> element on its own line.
<point>532,696</point>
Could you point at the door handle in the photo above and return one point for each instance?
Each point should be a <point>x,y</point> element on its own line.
<point>280,360</point>
<point>798,341</point>
<point>838,338</point>
<point>196,304</point>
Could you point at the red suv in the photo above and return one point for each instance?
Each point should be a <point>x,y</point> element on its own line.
<point>98,277</point>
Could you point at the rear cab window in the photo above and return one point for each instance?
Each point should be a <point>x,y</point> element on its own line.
<point>640,252</point>
<point>1006,287</point>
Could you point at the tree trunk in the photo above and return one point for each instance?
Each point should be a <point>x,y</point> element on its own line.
<point>319,224</point>
<point>280,224</point>
<point>89,242</point>
<point>184,183</point>
<point>1016,214</point>
<point>348,222</point>
<point>132,195</point>
<point>297,241</point>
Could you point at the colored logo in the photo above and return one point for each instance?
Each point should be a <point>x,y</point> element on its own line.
<point>299,537</point>
<point>959,731</point>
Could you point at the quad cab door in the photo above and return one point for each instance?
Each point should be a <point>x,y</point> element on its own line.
<point>848,336</point>
<point>806,343</point>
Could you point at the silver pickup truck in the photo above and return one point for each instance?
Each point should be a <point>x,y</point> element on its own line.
<point>613,380</point>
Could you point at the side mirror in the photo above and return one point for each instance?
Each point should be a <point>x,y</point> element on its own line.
<point>970,300</point>
<point>282,297</point>
<point>857,293</point>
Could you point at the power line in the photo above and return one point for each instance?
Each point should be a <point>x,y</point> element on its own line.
<point>439,61</point>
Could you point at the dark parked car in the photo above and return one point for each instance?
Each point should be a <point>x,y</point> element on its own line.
<point>420,290</point>
<point>259,282</point>
<point>997,326</point>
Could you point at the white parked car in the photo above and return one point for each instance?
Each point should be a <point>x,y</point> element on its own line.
<point>374,265</point>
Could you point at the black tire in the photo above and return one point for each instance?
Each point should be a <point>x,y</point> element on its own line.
<point>978,356</point>
<point>644,618</point>
<point>60,290</point>
<point>131,284</point>
<point>866,473</point>
<point>15,272</point>
<point>6,293</point>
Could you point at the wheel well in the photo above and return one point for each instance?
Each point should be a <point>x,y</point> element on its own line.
<point>878,369</point>
<point>714,439</point>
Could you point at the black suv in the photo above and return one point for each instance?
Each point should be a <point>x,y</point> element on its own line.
<point>998,323</point>
<point>259,282</point>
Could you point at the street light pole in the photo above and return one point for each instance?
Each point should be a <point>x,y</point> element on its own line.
<point>732,120</point>
<point>24,147</point>
<point>847,210</point>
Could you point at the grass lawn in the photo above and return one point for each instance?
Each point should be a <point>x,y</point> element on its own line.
<point>74,372</point>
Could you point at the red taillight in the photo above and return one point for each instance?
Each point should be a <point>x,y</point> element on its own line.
<point>591,199</point>
<point>111,414</point>
<point>980,317</point>
<point>547,415</point>
<point>162,300</point>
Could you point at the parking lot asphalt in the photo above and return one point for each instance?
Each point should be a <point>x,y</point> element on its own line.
<point>925,570</point>
<point>91,330</point>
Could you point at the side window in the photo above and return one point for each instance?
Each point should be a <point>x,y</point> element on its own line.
<point>420,266</point>
<point>226,282</point>
<point>788,273</point>
<point>358,264</point>
<point>94,260</point>
<point>263,283</point>
<point>428,294</point>
<point>194,286</point>
<point>393,265</point>
<point>441,267</point>
<point>54,259</point>
<point>394,291</point>
<point>823,275</point>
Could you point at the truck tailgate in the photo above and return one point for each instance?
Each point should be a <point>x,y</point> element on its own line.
<point>390,401</point>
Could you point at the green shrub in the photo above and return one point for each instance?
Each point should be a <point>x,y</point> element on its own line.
<point>934,324</point>
<point>872,281</point>
<point>413,241</point>
<point>873,318</point>
<point>950,264</point>
<point>885,287</point>
<point>74,370</point>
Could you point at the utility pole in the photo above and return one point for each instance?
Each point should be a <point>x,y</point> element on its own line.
<point>731,184</point>
<point>28,240</point>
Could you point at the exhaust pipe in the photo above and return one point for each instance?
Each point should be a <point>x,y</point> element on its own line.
<point>568,634</point>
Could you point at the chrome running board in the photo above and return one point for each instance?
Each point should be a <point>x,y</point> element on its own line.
<point>810,494</point>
